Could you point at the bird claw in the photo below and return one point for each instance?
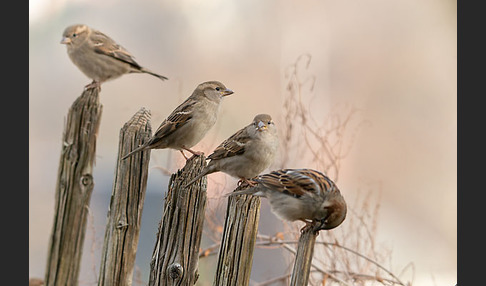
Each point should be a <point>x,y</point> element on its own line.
<point>314,226</point>
<point>243,182</point>
<point>195,153</point>
<point>306,227</point>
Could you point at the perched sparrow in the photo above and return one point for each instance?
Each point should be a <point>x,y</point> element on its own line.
<point>247,152</point>
<point>301,194</point>
<point>190,121</point>
<point>98,56</point>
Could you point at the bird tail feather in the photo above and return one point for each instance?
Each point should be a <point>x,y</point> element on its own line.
<point>203,173</point>
<point>154,74</point>
<point>138,149</point>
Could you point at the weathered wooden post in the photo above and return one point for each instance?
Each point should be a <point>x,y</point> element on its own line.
<point>303,258</point>
<point>73,190</point>
<point>235,256</point>
<point>175,257</point>
<point>126,205</point>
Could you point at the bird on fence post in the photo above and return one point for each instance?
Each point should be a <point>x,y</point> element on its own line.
<point>190,121</point>
<point>98,56</point>
<point>246,153</point>
<point>301,194</point>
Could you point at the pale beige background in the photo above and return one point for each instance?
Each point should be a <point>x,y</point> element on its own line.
<point>394,60</point>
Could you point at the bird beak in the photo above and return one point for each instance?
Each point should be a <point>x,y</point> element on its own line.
<point>261,126</point>
<point>65,41</point>
<point>226,92</point>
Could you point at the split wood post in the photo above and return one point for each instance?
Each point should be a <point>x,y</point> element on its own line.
<point>73,190</point>
<point>303,258</point>
<point>125,212</point>
<point>176,253</point>
<point>235,256</point>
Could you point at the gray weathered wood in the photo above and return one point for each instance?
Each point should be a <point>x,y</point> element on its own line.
<point>303,258</point>
<point>73,190</point>
<point>235,256</point>
<point>125,213</point>
<point>175,256</point>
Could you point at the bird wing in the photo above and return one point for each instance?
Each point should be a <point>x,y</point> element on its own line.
<point>233,146</point>
<point>296,182</point>
<point>178,118</point>
<point>106,46</point>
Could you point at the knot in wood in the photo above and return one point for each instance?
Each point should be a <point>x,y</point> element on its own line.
<point>175,271</point>
<point>121,224</point>
<point>86,180</point>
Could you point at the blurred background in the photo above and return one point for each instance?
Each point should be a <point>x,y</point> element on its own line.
<point>389,67</point>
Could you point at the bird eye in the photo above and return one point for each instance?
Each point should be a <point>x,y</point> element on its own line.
<point>269,122</point>
<point>75,35</point>
<point>218,88</point>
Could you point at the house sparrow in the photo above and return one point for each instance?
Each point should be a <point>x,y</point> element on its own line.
<point>301,194</point>
<point>190,121</point>
<point>247,152</point>
<point>98,56</point>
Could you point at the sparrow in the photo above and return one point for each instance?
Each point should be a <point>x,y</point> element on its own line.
<point>246,153</point>
<point>301,194</point>
<point>98,56</point>
<point>190,121</point>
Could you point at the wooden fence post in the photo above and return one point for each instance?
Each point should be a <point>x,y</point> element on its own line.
<point>235,256</point>
<point>126,204</point>
<point>176,253</point>
<point>73,190</point>
<point>303,258</point>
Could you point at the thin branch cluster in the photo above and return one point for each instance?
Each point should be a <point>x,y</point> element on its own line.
<point>349,254</point>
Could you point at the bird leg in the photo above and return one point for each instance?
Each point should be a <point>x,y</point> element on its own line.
<point>197,153</point>
<point>93,84</point>
<point>182,152</point>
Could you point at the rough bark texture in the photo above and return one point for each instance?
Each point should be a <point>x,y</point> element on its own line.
<point>126,205</point>
<point>175,256</point>
<point>73,190</point>
<point>235,256</point>
<point>303,258</point>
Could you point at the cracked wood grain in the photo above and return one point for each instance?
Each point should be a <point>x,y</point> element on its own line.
<point>176,253</point>
<point>125,212</point>
<point>235,255</point>
<point>73,190</point>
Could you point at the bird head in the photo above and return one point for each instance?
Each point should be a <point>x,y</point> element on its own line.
<point>213,90</point>
<point>262,122</point>
<point>333,212</point>
<point>74,34</point>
